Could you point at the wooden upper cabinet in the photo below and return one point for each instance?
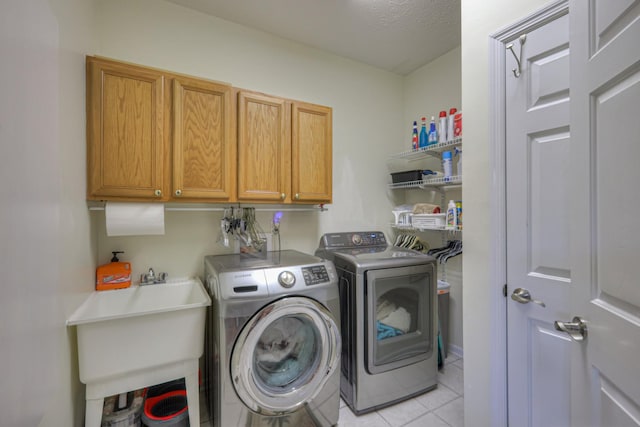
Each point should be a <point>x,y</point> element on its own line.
<point>203,140</point>
<point>284,150</point>
<point>264,148</point>
<point>125,131</point>
<point>312,159</point>
<point>154,135</point>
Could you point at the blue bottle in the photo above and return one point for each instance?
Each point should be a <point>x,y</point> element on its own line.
<point>433,133</point>
<point>424,138</point>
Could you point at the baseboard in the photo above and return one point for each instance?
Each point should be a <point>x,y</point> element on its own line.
<point>455,350</point>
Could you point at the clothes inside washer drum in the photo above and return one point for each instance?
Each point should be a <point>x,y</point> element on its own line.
<point>286,353</point>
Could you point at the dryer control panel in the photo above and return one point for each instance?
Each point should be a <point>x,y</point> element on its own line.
<point>351,240</point>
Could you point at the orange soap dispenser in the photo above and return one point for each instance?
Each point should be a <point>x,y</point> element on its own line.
<point>115,275</point>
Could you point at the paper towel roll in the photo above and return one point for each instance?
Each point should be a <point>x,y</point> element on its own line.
<point>134,219</point>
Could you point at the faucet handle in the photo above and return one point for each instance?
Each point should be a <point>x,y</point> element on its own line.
<point>150,278</point>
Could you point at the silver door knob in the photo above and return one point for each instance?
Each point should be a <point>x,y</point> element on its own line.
<point>577,329</point>
<point>523,296</point>
<point>178,193</point>
<point>158,193</point>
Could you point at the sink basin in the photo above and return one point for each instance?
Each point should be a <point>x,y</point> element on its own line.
<point>140,336</point>
<point>140,327</point>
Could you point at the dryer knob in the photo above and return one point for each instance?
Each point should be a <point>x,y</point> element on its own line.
<point>286,279</point>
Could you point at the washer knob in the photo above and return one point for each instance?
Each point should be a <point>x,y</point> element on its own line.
<point>286,279</point>
<point>356,239</point>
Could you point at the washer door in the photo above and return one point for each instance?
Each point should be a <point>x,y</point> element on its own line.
<point>284,355</point>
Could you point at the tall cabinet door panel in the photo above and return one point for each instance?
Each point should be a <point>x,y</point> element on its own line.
<point>125,131</point>
<point>264,148</point>
<point>311,169</point>
<point>203,140</point>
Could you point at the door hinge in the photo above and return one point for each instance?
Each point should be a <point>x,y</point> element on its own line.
<point>504,290</point>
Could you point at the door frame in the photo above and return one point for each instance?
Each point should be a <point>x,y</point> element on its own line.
<point>498,202</point>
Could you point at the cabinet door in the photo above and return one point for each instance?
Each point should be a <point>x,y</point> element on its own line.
<point>312,161</point>
<point>125,120</point>
<point>264,148</point>
<point>203,140</point>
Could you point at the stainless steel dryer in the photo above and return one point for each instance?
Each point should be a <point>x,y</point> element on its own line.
<point>273,340</point>
<point>388,319</point>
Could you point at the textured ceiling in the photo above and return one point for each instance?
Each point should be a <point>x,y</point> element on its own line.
<point>396,35</point>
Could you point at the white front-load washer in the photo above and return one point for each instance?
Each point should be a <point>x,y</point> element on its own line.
<point>273,343</point>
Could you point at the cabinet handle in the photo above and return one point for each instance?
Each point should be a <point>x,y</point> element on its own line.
<point>283,196</point>
<point>158,193</point>
<point>297,196</point>
<point>178,192</point>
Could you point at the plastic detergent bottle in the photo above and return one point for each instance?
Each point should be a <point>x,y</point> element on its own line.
<point>446,165</point>
<point>423,134</point>
<point>458,152</point>
<point>450,126</point>
<point>452,216</point>
<point>414,136</point>
<point>433,133</point>
<point>442,129</point>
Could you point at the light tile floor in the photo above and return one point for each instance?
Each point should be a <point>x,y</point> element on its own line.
<point>442,407</point>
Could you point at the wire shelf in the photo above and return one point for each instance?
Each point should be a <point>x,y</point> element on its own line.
<point>433,150</point>
<point>431,228</point>
<point>429,182</point>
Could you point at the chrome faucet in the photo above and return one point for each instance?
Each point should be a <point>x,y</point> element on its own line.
<point>151,279</point>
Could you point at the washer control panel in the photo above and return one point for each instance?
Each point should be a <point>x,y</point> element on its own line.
<point>315,274</point>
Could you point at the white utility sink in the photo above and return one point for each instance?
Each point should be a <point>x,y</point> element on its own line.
<point>140,336</point>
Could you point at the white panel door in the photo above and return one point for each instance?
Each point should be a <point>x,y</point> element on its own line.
<point>538,256</point>
<point>604,210</point>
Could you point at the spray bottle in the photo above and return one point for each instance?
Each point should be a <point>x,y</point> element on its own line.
<point>423,134</point>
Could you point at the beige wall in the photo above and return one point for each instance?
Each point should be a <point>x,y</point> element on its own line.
<point>46,263</point>
<point>483,402</point>
<point>367,122</point>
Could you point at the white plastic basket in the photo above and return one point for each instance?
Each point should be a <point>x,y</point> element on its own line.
<point>428,220</point>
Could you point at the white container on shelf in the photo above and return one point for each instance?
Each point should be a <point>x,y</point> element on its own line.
<point>447,165</point>
<point>428,220</point>
<point>452,216</point>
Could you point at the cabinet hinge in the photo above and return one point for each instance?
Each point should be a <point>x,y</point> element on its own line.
<point>504,290</point>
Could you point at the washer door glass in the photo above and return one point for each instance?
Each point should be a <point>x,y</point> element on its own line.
<point>284,355</point>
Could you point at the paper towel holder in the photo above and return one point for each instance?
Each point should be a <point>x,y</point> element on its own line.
<point>100,206</point>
